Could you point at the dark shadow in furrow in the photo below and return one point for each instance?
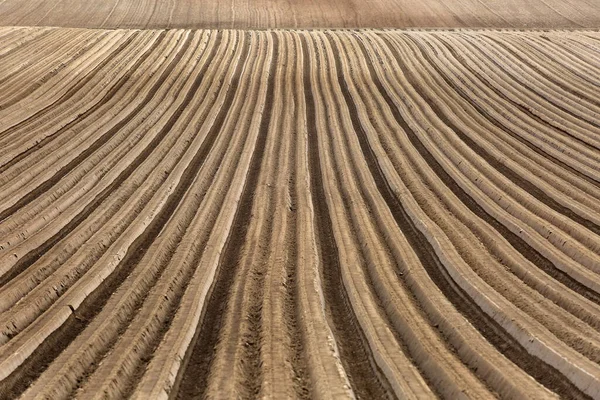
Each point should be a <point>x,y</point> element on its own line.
<point>499,166</point>
<point>416,359</point>
<point>293,310</point>
<point>31,40</point>
<point>492,331</point>
<point>201,155</point>
<point>33,367</point>
<point>49,109</point>
<point>251,356</point>
<point>195,370</point>
<point>27,63</point>
<point>498,123</point>
<point>40,81</point>
<point>534,67</point>
<point>367,381</point>
<point>520,106</point>
<point>566,65</point>
<point>116,87</point>
<point>109,95</point>
<point>518,243</point>
<point>585,63</point>
<point>31,257</point>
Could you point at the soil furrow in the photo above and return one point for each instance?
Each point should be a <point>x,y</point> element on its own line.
<point>71,91</point>
<point>494,162</point>
<point>493,332</point>
<point>93,304</point>
<point>540,116</point>
<point>34,255</point>
<point>518,243</point>
<point>351,342</point>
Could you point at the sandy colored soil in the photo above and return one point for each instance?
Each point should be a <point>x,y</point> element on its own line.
<point>261,14</point>
<point>298,214</point>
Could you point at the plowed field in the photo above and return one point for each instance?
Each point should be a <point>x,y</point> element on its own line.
<point>261,14</point>
<point>289,213</point>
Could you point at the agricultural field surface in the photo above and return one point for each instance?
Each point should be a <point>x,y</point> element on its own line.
<point>265,14</point>
<point>249,213</point>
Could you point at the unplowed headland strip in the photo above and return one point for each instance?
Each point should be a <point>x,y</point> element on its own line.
<point>517,242</point>
<point>20,379</point>
<point>366,380</point>
<point>520,181</point>
<point>35,254</point>
<point>491,330</point>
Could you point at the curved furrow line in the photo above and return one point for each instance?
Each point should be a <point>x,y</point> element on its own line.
<point>553,80</point>
<point>550,178</point>
<point>49,262</point>
<point>511,215</point>
<point>120,99</point>
<point>18,63</point>
<point>189,379</point>
<point>552,63</point>
<point>535,280</point>
<point>283,347</point>
<point>562,128</point>
<point>32,245</point>
<point>18,115</point>
<point>507,170</point>
<point>583,252</point>
<point>82,157</point>
<point>566,59</point>
<point>560,323</point>
<point>489,100</point>
<point>160,213</point>
<point>539,100</point>
<point>366,380</point>
<point>576,49</point>
<point>44,117</point>
<point>130,290</point>
<point>239,335</point>
<point>27,38</point>
<point>33,80</point>
<point>80,181</point>
<point>47,293</point>
<point>456,285</point>
<point>418,336</point>
<point>478,362</point>
<point>471,349</point>
<point>41,106</point>
<point>502,125</point>
<point>127,359</point>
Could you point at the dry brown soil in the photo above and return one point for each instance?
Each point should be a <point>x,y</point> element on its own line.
<point>369,213</point>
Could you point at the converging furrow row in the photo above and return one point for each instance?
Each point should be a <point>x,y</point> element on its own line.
<point>307,214</point>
